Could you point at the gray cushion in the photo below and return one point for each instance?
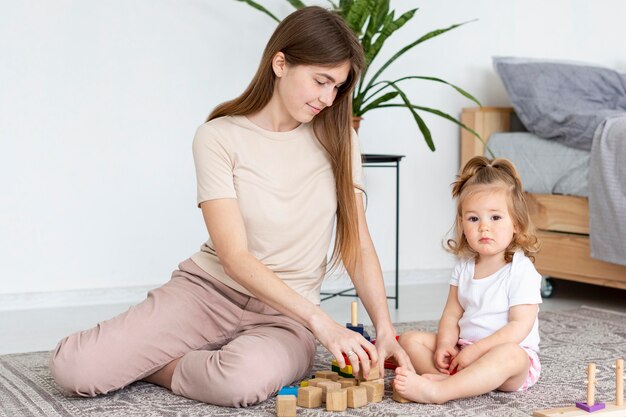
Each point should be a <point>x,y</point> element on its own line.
<point>563,101</point>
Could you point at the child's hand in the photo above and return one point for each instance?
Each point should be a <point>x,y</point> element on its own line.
<point>466,357</point>
<point>443,358</point>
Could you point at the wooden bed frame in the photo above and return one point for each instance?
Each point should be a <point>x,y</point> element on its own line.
<point>562,221</point>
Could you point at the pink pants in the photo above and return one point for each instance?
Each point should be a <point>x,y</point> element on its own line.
<point>234,349</point>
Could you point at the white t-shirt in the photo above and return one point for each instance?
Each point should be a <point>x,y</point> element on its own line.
<point>486,302</point>
<point>285,189</point>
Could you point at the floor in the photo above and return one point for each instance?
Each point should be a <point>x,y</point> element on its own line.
<point>40,329</point>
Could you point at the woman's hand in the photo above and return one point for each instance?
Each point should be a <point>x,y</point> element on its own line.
<point>387,347</point>
<point>443,358</point>
<point>340,340</point>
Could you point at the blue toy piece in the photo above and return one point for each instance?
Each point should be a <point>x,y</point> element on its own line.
<point>289,390</point>
<point>359,329</point>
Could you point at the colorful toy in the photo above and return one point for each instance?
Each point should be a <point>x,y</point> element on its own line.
<point>355,325</point>
<point>345,372</point>
<point>289,390</point>
<point>598,409</point>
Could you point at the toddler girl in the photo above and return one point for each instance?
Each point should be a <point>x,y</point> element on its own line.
<point>488,335</point>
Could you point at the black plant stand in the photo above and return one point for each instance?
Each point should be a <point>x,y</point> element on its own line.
<point>379,161</point>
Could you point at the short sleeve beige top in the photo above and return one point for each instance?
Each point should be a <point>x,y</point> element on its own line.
<point>285,189</point>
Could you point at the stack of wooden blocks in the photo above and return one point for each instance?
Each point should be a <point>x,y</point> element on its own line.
<point>329,389</point>
<point>338,388</point>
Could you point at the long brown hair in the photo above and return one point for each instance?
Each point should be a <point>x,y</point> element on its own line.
<point>316,36</point>
<point>481,174</point>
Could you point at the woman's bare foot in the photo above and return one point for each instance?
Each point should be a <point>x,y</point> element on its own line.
<point>416,388</point>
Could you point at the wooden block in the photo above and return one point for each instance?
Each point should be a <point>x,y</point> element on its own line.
<point>286,406</point>
<point>337,400</point>
<point>313,382</point>
<point>375,390</point>
<point>304,383</point>
<point>357,396</point>
<point>347,382</point>
<point>611,410</point>
<point>374,374</point>
<point>327,375</point>
<point>397,397</point>
<point>309,397</point>
<point>328,386</point>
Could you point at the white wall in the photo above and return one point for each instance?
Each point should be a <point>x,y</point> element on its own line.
<point>99,102</point>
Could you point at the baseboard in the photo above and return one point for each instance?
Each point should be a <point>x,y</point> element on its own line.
<point>73,298</point>
<point>133,295</point>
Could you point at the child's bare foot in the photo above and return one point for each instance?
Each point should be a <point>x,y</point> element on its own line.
<point>435,377</point>
<point>414,387</point>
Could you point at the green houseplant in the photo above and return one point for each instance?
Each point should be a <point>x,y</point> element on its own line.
<point>374,23</point>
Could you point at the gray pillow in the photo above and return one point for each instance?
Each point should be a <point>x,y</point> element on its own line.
<point>563,101</point>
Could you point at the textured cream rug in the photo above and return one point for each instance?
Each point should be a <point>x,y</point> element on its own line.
<point>570,339</point>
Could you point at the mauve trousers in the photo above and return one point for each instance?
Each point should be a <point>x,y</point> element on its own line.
<point>235,350</point>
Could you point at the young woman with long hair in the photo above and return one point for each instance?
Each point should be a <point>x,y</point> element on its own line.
<point>278,170</point>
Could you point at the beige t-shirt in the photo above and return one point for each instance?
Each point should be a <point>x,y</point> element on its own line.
<point>285,189</point>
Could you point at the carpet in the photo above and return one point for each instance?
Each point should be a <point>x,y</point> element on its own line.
<point>569,339</point>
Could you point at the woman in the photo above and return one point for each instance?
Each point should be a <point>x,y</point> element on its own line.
<point>276,167</point>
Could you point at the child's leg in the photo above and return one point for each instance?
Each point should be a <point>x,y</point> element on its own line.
<point>504,367</point>
<point>420,346</point>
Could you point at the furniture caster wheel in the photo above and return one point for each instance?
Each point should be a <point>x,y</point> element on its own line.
<point>547,288</point>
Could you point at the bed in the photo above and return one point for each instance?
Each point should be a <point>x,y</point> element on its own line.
<point>562,220</point>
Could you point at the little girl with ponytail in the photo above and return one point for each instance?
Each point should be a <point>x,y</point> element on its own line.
<point>488,336</point>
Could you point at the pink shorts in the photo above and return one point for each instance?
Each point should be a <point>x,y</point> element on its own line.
<point>534,370</point>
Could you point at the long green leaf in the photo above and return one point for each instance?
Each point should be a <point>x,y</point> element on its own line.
<point>420,122</point>
<point>447,117</point>
<point>386,20</point>
<point>344,8</point>
<point>421,77</point>
<point>261,8</point>
<point>413,44</point>
<point>382,99</point>
<point>357,16</point>
<point>380,8</point>
<point>387,31</point>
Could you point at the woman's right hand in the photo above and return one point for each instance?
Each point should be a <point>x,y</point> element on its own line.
<point>340,340</point>
<point>443,357</point>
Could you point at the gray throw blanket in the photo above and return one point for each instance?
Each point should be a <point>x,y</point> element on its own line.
<point>607,191</point>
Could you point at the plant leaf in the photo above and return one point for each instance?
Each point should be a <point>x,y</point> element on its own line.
<point>357,16</point>
<point>447,117</point>
<point>261,8</point>
<point>379,10</point>
<point>388,29</point>
<point>424,38</point>
<point>439,80</point>
<point>420,122</point>
<point>382,99</point>
<point>344,8</point>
